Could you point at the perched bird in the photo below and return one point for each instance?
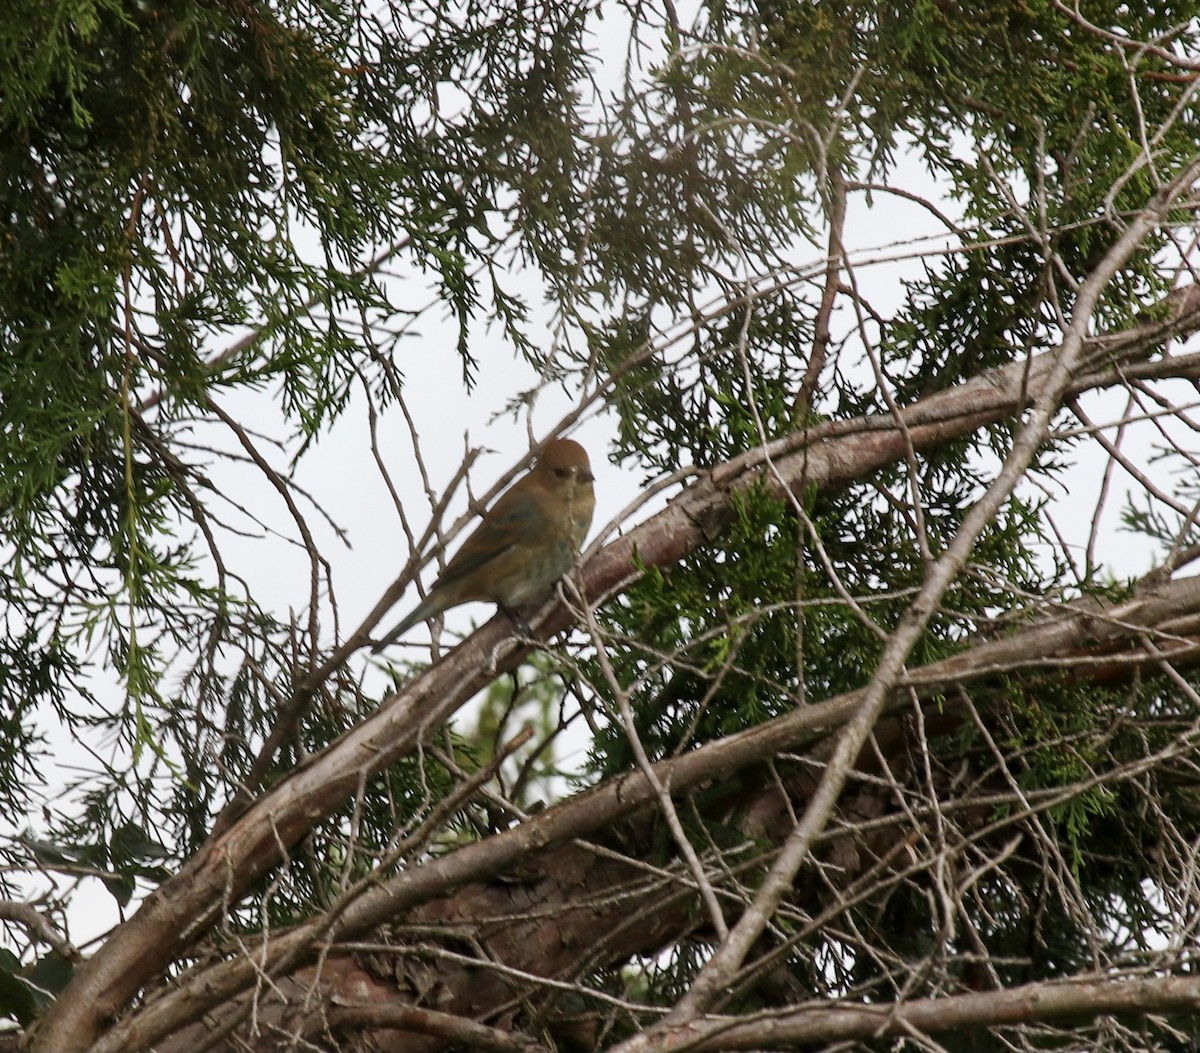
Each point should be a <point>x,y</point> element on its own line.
<point>526,542</point>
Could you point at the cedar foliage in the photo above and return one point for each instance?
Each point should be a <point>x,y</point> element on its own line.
<point>201,201</point>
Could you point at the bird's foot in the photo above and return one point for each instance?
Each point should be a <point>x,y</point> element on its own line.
<point>519,622</point>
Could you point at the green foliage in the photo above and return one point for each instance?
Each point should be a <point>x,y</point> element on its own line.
<point>711,644</point>
<point>736,389</point>
<point>531,698</point>
<point>17,1001</point>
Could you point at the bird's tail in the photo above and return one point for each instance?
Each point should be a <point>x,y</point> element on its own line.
<point>424,610</point>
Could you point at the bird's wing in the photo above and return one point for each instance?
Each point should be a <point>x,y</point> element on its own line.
<point>511,520</point>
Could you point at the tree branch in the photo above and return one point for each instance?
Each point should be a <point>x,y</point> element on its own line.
<point>1030,1004</point>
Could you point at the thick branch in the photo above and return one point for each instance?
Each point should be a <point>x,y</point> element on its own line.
<point>1029,1004</point>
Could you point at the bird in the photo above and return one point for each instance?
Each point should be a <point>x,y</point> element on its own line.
<point>527,540</point>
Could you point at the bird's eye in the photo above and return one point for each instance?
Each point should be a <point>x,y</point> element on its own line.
<point>562,473</point>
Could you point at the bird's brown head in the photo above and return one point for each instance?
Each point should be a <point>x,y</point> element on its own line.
<point>563,462</point>
<point>564,470</point>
